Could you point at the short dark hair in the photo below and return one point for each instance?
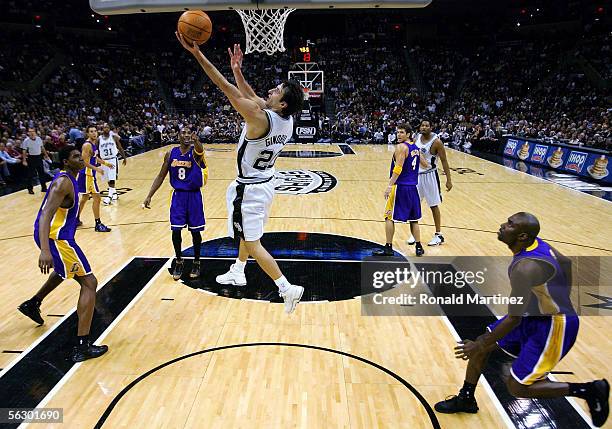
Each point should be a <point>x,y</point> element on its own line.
<point>293,95</point>
<point>404,126</point>
<point>425,120</point>
<point>64,153</point>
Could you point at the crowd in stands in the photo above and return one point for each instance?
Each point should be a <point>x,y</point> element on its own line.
<point>476,93</point>
<point>20,60</point>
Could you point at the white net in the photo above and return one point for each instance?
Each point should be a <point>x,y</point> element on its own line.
<point>264,29</point>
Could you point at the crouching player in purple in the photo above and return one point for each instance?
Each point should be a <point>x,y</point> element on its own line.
<point>403,202</point>
<point>54,231</point>
<point>538,331</point>
<point>188,173</point>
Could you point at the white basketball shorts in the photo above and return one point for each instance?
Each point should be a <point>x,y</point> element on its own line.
<point>248,207</point>
<point>429,187</point>
<point>110,173</point>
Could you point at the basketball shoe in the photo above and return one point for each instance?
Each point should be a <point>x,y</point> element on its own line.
<point>292,296</point>
<point>31,308</point>
<point>87,351</point>
<point>457,404</point>
<point>100,227</point>
<point>234,277</point>
<point>195,270</point>
<point>436,240</point>
<point>178,270</point>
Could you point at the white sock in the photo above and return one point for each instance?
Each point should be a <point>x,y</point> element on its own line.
<point>282,283</point>
<point>239,265</point>
<point>111,191</point>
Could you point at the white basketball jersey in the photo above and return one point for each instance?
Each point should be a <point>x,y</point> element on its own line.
<point>107,146</point>
<point>425,148</point>
<point>256,158</point>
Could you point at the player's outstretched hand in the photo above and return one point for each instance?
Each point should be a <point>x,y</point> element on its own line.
<point>449,185</point>
<point>235,56</point>
<point>467,348</point>
<point>45,262</point>
<point>146,204</point>
<point>191,47</point>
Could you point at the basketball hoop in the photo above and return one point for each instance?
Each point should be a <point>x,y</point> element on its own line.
<point>264,29</point>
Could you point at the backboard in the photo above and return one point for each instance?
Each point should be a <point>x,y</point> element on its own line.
<point>112,7</point>
<point>310,77</point>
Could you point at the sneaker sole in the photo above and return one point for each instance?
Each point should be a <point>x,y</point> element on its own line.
<point>296,301</point>
<point>88,357</point>
<point>456,412</point>
<point>230,282</point>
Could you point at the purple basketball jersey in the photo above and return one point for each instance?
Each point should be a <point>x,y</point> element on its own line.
<point>410,169</point>
<point>185,170</point>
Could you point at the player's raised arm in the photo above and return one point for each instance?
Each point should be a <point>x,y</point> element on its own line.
<point>236,57</point>
<point>247,108</point>
<point>163,172</point>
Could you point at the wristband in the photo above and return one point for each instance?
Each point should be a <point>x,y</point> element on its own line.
<point>397,169</point>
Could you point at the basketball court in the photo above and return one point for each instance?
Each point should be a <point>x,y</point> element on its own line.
<point>196,354</point>
<point>185,354</point>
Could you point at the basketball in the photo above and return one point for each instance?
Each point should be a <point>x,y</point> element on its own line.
<point>195,26</point>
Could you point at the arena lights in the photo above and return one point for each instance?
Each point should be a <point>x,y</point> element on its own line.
<point>109,29</point>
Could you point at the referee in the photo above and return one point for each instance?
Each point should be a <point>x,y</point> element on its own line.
<point>33,153</point>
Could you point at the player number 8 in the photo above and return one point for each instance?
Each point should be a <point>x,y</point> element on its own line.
<point>181,173</point>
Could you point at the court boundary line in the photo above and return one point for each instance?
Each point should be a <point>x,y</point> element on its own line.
<point>103,335</point>
<point>59,322</point>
